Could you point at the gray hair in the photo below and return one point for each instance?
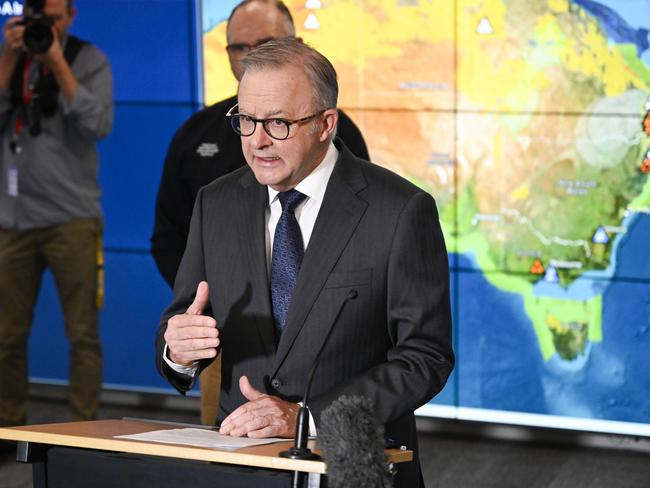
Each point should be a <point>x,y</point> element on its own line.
<point>282,8</point>
<point>290,52</point>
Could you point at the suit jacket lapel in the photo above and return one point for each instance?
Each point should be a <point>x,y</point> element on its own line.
<point>252,228</point>
<point>338,217</point>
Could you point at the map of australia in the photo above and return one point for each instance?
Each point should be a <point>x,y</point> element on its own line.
<point>528,122</point>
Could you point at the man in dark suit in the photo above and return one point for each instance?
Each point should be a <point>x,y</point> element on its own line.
<point>374,269</point>
<point>205,148</point>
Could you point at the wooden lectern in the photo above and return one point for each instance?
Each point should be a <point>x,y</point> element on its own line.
<point>83,454</point>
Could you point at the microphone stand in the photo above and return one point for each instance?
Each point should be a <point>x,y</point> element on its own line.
<point>300,449</point>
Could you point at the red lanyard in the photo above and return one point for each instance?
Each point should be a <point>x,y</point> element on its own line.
<point>26,95</point>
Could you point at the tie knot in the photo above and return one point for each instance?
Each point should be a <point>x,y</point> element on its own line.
<point>290,199</point>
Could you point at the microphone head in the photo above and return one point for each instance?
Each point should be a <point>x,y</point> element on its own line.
<point>352,442</point>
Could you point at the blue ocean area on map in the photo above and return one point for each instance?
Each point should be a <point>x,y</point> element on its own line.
<point>615,26</point>
<point>620,20</point>
<point>501,366</point>
<point>636,246</point>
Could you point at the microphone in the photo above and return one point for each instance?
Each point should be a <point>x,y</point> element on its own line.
<point>300,449</point>
<point>352,442</point>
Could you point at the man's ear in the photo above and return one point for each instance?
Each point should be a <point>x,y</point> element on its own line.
<point>73,15</point>
<point>330,121</point>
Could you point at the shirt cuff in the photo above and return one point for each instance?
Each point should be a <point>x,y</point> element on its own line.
<point>186,370</point>
<point>81,102</point>
<point>312,424</point>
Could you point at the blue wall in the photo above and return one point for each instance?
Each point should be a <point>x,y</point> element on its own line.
<point>152,46</point>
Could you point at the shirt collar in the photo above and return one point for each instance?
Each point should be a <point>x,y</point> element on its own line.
<point>315,183</point>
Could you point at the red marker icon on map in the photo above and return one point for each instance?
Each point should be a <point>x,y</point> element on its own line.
<point>645,165</point>
<point>537,268</point>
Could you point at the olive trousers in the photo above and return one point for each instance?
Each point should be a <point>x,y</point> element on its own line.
<point>72,251</point>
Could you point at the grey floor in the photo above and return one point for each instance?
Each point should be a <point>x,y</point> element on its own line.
<point>452,461</point>
<point>453,455</point>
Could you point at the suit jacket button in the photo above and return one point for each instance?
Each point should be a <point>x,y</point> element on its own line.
<point>276,383</point>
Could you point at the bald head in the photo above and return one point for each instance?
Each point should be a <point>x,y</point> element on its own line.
<point>253,22</point>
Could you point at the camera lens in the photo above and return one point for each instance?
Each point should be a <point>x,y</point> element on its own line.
<point>38,36</point>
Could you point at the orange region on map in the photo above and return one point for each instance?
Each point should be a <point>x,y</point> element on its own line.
<point>537,268</point>
<point>418,145</point>
<point>386,55</point>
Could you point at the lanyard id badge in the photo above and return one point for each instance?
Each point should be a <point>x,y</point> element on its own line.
<point>12,170</point>
<point>12,181</point>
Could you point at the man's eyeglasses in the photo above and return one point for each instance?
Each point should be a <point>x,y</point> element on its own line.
<point>243,48</point>
<point>277,128</point>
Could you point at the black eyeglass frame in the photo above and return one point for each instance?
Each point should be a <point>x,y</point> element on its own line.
<point>242,47</point>
<point>234,123</point>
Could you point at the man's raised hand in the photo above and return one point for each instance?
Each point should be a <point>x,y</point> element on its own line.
<point>193,336</point>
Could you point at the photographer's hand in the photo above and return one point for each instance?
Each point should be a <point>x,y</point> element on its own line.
<point>13,36</point>
<point>54,59</point>
<point>11,49</point>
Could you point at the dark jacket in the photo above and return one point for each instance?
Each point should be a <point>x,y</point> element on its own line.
<point>377,235</point>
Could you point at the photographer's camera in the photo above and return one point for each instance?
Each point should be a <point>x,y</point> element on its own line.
<point>38,35</point>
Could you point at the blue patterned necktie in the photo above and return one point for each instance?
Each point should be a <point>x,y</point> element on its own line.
<point>286,256</point>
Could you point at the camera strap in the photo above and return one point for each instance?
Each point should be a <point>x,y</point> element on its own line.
<point>26,98</point>
<point>41,97</point>
<point>27,92</point>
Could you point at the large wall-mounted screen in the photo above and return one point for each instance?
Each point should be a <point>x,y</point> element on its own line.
<point>528,121</point>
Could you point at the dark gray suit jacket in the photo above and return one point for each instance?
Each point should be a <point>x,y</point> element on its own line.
<point>376,234</point>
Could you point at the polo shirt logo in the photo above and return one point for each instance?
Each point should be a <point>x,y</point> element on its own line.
<point>207,149</point>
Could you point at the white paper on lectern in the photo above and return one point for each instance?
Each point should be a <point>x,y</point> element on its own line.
<point>199,438</point>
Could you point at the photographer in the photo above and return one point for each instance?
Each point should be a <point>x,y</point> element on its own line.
<point>55,104</point>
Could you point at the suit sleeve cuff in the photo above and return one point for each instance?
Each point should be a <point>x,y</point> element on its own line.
<point>184,370</point>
